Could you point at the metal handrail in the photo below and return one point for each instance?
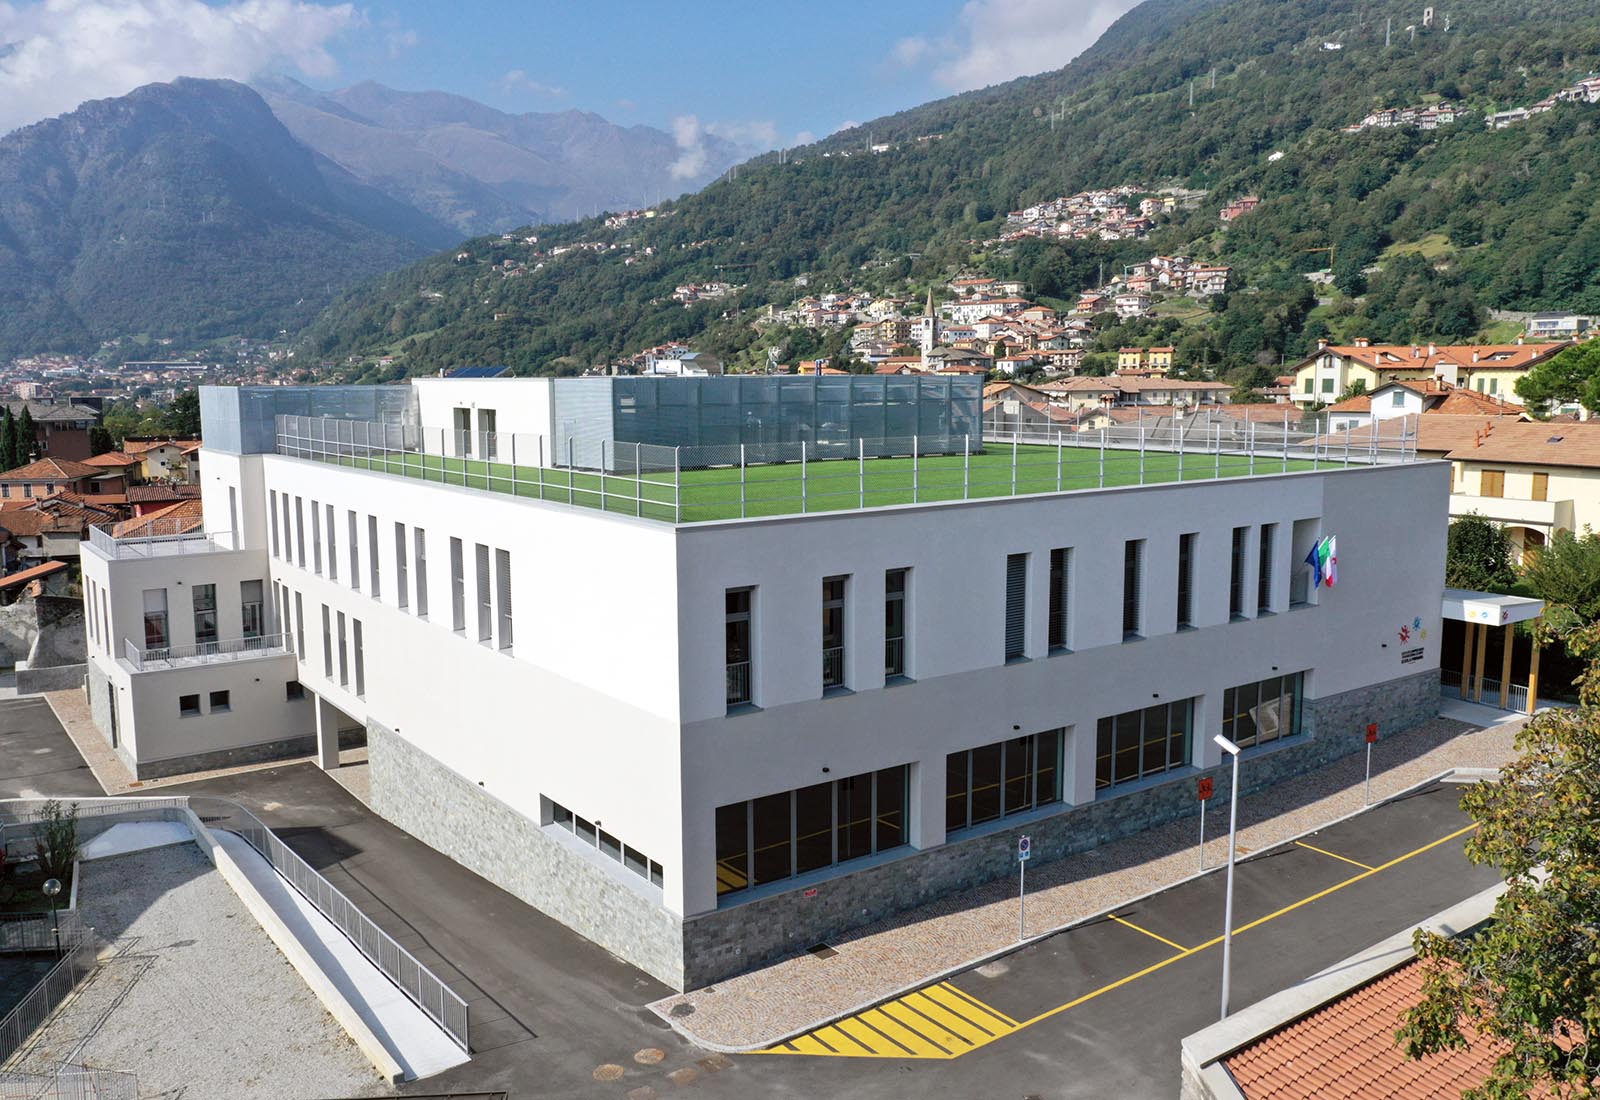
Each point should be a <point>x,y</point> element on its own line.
<point>833,666</point>
<point>229,649</point>
<point>738,683</point>
<point>158,538</point>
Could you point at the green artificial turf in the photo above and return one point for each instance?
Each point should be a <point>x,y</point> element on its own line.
<point>827,486</point>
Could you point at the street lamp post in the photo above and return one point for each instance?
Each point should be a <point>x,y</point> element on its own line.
<point>52,887</point>
<point>1233,847</point>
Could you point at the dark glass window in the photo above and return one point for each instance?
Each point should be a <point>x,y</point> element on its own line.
<point>737,643</point>
<point>1236,579</point>
<point>1060,595</point>
<point>1185,581</point>
<point>890,821</point>
<point>1132,588</point>
<point>1010,777</point>
<point>1264,568</point>
<point>813,822</point>
<point>855,816</point>
<point>1255,714</point>
<point>955,790</point>
<point>733,847</point>
<point>774,837</point>
<point>894,623</point>
<point>985,783</point>
<point>1142,743</point>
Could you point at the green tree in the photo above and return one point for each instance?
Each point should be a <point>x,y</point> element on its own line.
<point>1478,555</point>
<point>8,440</point>
<point>27,445</point>
<point>1563,378</point>
<point>182,418</point>
<point>1356,388</point>
<point>100,441</point>
<point>1530,981</point>
<point>1566,575</point>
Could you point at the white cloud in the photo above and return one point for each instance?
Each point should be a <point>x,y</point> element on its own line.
<point>401,42</point>
<point>848,124</point>
<point>517,80</point>
<point>753,135</point>
<point>55,54</point>
<point>997,40</point>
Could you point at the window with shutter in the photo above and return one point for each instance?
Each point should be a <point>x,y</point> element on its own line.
<point>502,584</point>
<point>485,611</point>
<point>1236,577</point>
<point>1186,581</point>
<point>401,576</point>
<point>355,552</point>
<point>1060,598</point>
<point>316,538</point>
<point>1016,605</point>
<point>372,556</point>
<point>419,562</point>
<point>1269,532</point>
<point>1541,486</point>
<point>1132,589</point>
<point>333,547</point>
<point>272,511</point>
<point>458,587</point>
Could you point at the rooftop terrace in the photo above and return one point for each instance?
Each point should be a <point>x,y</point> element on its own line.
<point>733,481</point>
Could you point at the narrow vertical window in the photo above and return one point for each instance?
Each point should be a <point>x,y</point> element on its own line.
<point>360,657</point>
<point>354,531</point>
<point>327,642</point>
<point>372,557</point>
<point>502,593</point>
<point>272,513</point>
<point>299,627</point>
<point>1236,578</point>
<point>333,547</point>
<point>344,660</point>
<point>251,609</point>
<point>205,613</point>
<point>402,585</point>
<point>419,565</point>
<point>1016,605</point>
<point>288,529</point>
<point>1132,589</point>
<point>485,610</point>
<point>316,538</point>
<point>1060,598</point>
<point>234,534</point>
<point>299,533</point>
<point>1269,532</point>
<point>738,653</point>
<point>1186,581</point>
<point>458,587</point>
<point>833,632</point>
<point>894,623</point>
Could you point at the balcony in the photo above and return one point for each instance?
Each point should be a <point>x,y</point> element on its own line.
<point>203,653</point>
<point>159,539</point>
<point>1544,515</point>
<point>738,683</point>
<point>832,667</point>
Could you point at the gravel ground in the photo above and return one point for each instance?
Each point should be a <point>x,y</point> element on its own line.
<point>192,996</point>
<point>879,960</point>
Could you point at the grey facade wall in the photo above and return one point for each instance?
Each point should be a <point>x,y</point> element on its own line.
<point>717,945</point>
<point>99,688</point>
<point>452,815</point>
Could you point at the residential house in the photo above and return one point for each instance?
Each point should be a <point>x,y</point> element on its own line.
<point>47,477</point>
<point>1492,369</point>
<point>1538,479</point>
<point>59,430</point>
<point>1132,305</point>
<point>164,459</point>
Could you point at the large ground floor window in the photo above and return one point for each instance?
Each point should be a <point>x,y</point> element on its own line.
<point>1142,743</point>
<point>781,835</point>
<point>1255,714</point>
<point>1008,777</point>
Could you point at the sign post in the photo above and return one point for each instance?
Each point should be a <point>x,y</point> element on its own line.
<point>1205,796</point>
<point>1024,850</point>
<point>1372,736</point>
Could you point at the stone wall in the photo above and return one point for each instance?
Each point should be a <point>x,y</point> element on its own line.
<point>447,812</point>
<point>31,681</point>
<point>472,827</point>
<point>45,632</point>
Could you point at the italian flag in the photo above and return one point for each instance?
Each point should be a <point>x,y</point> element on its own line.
<point>1324,561</point>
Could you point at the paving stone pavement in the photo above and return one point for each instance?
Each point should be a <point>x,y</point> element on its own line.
<point>875,962</point>
<point>193,998</point>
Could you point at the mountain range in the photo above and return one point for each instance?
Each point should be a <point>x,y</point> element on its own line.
<point>200,208</point>
<point>1430,229</point>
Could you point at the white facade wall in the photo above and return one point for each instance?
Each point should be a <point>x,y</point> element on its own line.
<point>520,405</point>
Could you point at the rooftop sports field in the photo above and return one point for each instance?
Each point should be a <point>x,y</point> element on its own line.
<point>833,485</point>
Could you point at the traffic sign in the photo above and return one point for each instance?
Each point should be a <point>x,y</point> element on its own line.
<point>1372,732</point>
<point>1205,788</point>
<point>1024,848</point>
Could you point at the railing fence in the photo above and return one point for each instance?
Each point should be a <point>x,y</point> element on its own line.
<point>735,480</point>
<point>77,961</point>
<point>69,1083</point>
<point>228,649</point>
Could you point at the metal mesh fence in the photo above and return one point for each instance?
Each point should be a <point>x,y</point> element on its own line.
<point>686,484</point>
<point>77,961</point>
<point>69,1084</point>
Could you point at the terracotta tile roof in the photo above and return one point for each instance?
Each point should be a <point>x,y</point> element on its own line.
<point>1433,358</point>
<point>1360,403</point>
<point>1262,411</point>
<point>112,458</point>
<point>1436,434</point>
<point>1533,443</point>
<point>140,446</point>
<point>23,576</point>
<point>50,469</point>
<point>146,494</point>
<point>178,518</point>
<point>1346,1051</point>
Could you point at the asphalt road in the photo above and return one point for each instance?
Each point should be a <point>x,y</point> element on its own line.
<point>1101,1008</point>
<point>1094,1012</point>
<point>36,755</point>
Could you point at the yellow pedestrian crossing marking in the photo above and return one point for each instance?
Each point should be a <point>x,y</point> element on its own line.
<point>943,1021</point>
<point>939,1021</point>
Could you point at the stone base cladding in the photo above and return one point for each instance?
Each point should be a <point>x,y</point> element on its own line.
<point>283,749</point>
<point>718,945</point>
<point>478,831</point>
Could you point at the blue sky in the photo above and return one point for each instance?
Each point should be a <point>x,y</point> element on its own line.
<point>768,72</point>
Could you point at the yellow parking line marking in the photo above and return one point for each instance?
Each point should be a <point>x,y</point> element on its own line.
<point>920,1046</point>
<point>980,1005</point>
<point>875,1043</point>
<point>944,1021</point>
<point>1333,855</point>
<point>969,1031</point>
<point>1147,932</point>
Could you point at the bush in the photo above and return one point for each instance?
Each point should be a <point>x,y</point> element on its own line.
<point>58,843</point>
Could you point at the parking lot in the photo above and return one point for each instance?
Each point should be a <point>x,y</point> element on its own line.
<point>1095,1011</point>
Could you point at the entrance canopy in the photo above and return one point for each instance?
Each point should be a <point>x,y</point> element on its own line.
<point>1488,608</point>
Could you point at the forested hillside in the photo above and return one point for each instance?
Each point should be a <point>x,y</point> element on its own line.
<point>1431,228</point>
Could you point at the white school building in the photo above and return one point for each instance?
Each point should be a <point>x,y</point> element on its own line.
<point>707,742</point>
